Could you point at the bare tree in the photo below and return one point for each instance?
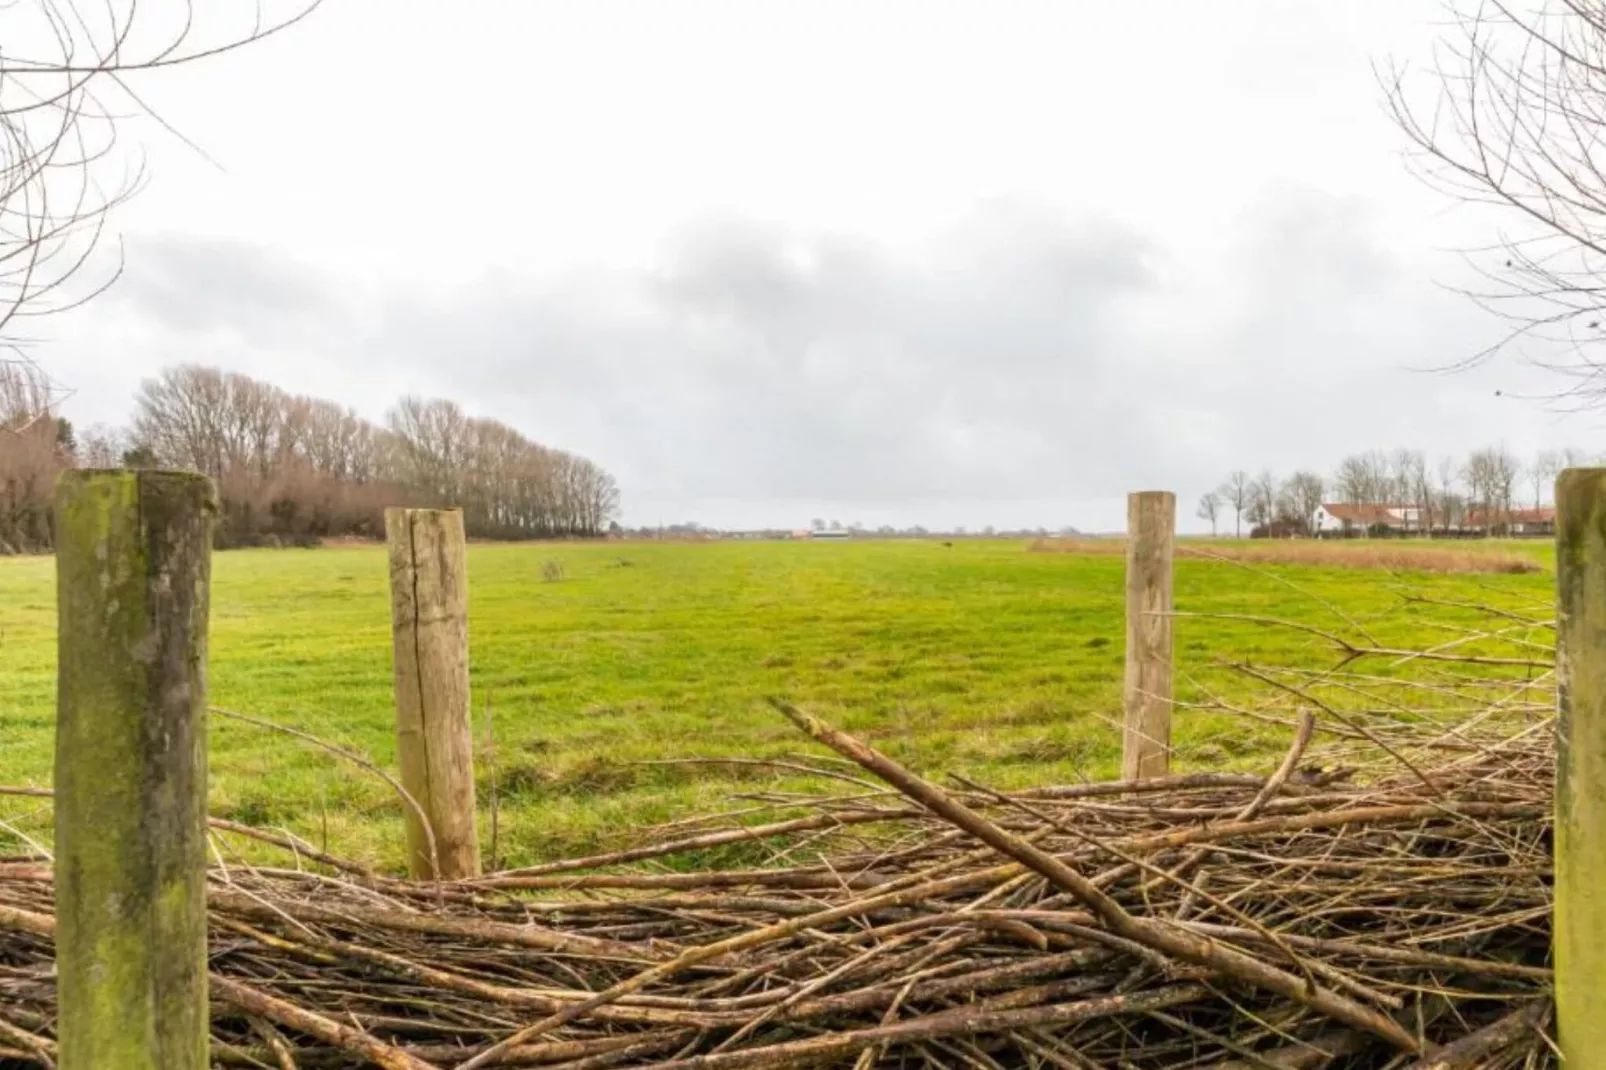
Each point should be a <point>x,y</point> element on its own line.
<point>1304,492</point>
<point>291,466</point>
<point>1573,457</point>
<point>1511,114</point>
<point>1286,513</point>
<point>1263,499</point>
<point>1237,492</point>
<point>1546,466</point>
<point>1449,505</point>
<point>1353,481</point>
<point>1504,472</point>
<point>1475,475</point>
<point>1210,509</point>
<point>1410,478</point>
<point>68,73</point>
<point>32,452</point>
<point>24,394</point>
<point>508,486</point>
<point>431,439</point>
<point>1491,480</point>
<point>183,414</point>
<point>102,447</point>
<point>1365,479</point>
<point>331,439</point>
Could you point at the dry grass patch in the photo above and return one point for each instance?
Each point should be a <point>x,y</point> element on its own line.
<point>1383,556</point>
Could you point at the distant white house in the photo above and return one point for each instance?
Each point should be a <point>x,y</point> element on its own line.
<point>1342,518</point>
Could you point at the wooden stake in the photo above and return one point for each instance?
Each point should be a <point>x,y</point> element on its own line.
<point>1579,934</point>
<point>1151,524</point>
<point>133,562</point>
<point>429,603</point>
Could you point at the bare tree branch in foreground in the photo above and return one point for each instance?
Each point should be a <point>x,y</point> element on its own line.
<point>67,82</point>
<point>1513,118</point>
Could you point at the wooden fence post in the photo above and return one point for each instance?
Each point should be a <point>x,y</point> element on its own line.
<point>429,617</point>
<point>1579,925</point>
<point>133,564</point>
<point>1146,744</point>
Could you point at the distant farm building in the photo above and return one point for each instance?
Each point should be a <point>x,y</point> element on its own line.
<point>1515,522</point>
<point>1344,519</point>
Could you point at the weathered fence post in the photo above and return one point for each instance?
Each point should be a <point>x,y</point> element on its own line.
<point>1579,925</point>
<point>133,563</point>
<point>1146,745</point>
<point>429,605</point>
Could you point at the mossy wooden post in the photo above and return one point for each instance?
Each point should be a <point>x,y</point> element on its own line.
<point>1579,933</point>
<point>133,561</point>
<point>429,605</point>
<point>1150,524</point>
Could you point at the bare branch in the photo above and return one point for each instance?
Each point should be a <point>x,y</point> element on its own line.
<point>67,74</point>
<point>1515,116</point>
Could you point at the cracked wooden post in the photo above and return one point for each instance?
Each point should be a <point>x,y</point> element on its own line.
<point>429,618</point>
<point>1146,744</point>
<point>133,563</point>
<point>1579,933</point>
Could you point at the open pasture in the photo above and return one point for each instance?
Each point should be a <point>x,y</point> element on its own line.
<point>592,691</point>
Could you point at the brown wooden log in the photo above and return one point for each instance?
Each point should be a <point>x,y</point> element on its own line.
<point>344,1037</point>
<point>1479,1047</point>
<point>1151,526</point>
<point>429,604</point>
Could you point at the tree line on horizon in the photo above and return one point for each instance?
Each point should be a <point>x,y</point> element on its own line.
<point>296,469</point>
<point>1447,492</point>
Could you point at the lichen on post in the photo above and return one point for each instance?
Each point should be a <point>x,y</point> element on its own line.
<point>435,744</point>
<point>133,562</point>
<point>1579,925</point>
<point>1146,743</point>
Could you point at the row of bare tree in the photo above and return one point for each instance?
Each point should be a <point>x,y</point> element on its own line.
<point>31,453</point>
<point>294,468</point>
<point>1444,493</point>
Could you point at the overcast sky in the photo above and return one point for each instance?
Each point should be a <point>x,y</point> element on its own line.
<point>927,262</point>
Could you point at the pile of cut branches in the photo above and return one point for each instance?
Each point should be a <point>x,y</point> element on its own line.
<point>1300,919</point>
<point>1380,900</point>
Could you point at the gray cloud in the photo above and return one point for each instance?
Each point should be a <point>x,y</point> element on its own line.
<point>193,284</point>
<point>1028,361</point>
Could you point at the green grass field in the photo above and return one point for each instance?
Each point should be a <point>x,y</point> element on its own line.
<point>982,659</point>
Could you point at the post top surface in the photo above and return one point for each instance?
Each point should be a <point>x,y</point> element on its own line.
<point>163,482</point>
<point>138,473</point>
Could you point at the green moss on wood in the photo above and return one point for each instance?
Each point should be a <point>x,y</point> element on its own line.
<point>1580,914</point>
<point>133,561</point>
